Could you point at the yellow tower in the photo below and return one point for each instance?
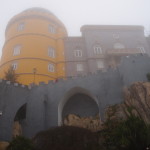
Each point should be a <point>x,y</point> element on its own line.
<point>34,46</point>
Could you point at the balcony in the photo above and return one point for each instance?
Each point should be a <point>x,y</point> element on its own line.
<point>121,52</point>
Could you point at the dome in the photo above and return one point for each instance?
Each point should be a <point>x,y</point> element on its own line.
<point>36,12</point>
<point>38,9</point>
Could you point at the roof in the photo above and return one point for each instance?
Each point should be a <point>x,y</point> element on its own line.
<point>39,9</point>
<point>111,27</point>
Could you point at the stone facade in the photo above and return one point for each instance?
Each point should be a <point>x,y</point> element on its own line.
<point>102,46</point>
<point>41,107</point>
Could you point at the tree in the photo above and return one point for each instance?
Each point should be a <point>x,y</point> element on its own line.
<point>20,143</point>
<point>11,75</point>
<point>131,134</point>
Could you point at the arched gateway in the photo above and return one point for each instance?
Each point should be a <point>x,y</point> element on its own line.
<point>77,101</point>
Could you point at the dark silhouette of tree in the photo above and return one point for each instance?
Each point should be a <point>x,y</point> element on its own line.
<point>65,138</point>
<point>11,75</point>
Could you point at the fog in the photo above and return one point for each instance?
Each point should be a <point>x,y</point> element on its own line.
<point>75,13</point>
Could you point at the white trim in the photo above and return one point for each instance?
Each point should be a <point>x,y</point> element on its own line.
<point>16,50</point>
<point>97,50</point>
<point>51,68</point>
<point>51,52</point>
<point>78,53</point>
<point>14,65</point>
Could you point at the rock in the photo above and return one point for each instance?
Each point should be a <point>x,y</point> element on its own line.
<point>136,102</point>
<point>3,145</point>
<point>17,129</point>
<point>91,123</point>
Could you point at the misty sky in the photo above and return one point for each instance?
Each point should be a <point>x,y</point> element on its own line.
<point>75,13</point>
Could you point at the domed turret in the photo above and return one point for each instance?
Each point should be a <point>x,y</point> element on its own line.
<point>34,46</point>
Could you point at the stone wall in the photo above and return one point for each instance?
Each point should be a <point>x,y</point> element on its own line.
<point>45,103</point>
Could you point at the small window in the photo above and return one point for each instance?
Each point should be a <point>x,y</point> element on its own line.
<point>142,50</point>
<point>119,46</point>
<point>14,65</point>
<point>97,50</point>
<point>51,52</point>
<point>21,26</point>
<point>17,49</point>
<point>78,53</point>
<point>52,29</point>
<point>100,64</point>
<point>51,68</point>
<point>116,36</point>
<point>79,67</point>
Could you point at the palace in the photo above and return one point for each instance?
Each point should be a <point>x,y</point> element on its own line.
<point>38,48</point>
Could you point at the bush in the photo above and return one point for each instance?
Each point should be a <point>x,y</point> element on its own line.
<point>148,76</point>
<point>132,134</point>
<point>65,138</point>
<point>20,143</point>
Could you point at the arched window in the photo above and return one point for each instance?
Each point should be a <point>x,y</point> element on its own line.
<point>119,46</point>
<point>78,53</point>
<point>97,49</point>
<point>51,68</point>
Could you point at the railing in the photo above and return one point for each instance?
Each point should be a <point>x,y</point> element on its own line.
<point>123,51</point>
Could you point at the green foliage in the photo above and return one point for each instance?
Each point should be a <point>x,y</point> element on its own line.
<point>132,134</point>
<point>11,75</point>
<point>20,143</point>
<point>148,76</point>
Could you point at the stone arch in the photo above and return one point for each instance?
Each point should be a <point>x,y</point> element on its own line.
<point>19,120</point>
<point>72,92</point>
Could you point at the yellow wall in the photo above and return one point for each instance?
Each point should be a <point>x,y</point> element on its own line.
<point>34,39</point>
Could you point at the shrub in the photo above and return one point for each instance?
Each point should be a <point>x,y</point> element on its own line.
<point>148,76</point>
<point>65,138</point>
<point>20,143</point>
<point>131,134</point>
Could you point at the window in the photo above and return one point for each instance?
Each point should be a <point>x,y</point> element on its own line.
<point>51,68</point>
<point>116,36</point>
<point>119,46</point>
<point>142,50</point>
<point>97,50</point>
<point>79,67</point>
<point>14,65</point>
<point>100,64</point>
<point>51,29</point>
<point>21,26</point>
<point>17,49</point>
<point>51,52</point>
<point>78,53</point>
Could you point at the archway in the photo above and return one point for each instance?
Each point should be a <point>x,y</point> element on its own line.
<point>78,106</point>
<point>19,119</point>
